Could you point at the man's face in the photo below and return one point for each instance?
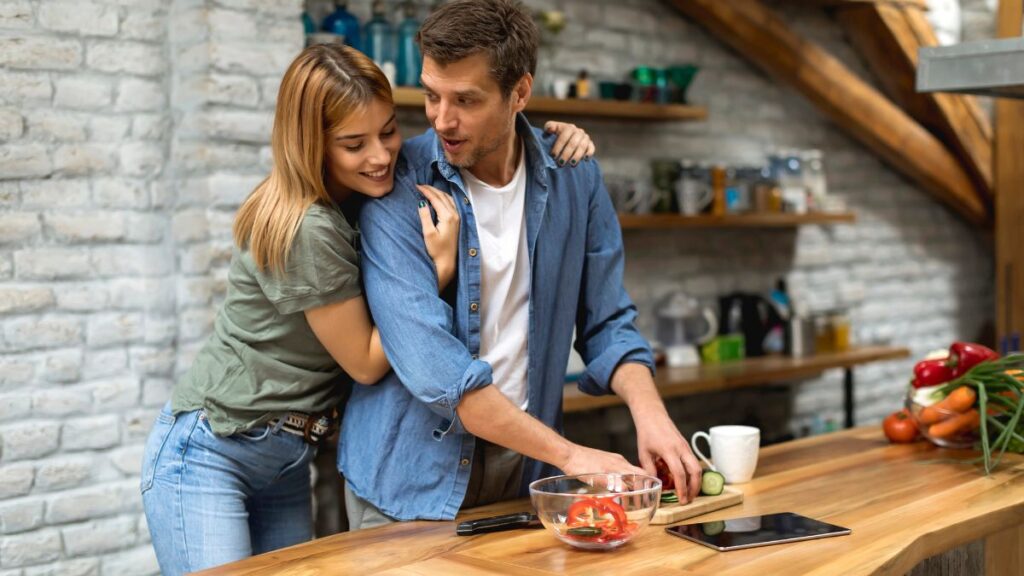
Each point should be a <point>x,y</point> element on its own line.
<point>466,108</point>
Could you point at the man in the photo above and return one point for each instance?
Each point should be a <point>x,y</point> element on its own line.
<point>469,414</point>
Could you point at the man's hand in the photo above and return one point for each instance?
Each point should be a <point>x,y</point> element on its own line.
<point>583,460</point>
<point>657,437</point>
<point>656,434</point>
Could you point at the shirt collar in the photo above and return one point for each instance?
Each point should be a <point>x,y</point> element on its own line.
<point>536,159</point>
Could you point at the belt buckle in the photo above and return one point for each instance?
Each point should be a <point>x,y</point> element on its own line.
<point>313,419</point>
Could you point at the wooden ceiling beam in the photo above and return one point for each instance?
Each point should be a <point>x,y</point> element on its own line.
<point>758,34</point>
<point>888,37</point>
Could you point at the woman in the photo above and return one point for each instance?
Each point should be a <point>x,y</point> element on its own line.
<point>226,468</point>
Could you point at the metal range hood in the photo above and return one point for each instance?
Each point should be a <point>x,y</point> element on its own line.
<point>985,68</point>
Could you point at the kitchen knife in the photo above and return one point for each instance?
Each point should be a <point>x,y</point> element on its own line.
<point>498,523</point>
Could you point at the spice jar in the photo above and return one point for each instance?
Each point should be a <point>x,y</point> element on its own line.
<point>823,337</point>
<point>840,323</point>
<point>583,85</point>
<point>718,180</point>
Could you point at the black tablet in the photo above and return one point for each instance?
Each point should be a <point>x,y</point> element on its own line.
<point>755,531</point>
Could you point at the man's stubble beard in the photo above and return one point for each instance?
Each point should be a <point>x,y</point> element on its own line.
<point>480,152</point>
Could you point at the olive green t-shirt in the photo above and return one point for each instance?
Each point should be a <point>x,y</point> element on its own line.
<point>263,359</point>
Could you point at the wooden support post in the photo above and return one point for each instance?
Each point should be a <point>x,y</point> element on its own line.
<point>1004,552</point>
<point>1009,181</point>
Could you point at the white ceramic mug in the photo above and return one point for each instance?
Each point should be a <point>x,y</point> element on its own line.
<point>560,88</point>
<point>693,196</point>
<point>733,451</point>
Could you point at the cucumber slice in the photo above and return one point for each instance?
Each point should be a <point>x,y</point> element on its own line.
<point>585,531</point>
<point>712,483</point>
<point>713,528</point>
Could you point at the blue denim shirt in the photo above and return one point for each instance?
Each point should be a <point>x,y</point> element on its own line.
<point>403,447</point>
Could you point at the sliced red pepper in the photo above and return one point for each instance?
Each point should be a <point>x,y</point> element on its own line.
<point>931,373</point>
<point>603,513</point>
<point>965,355</point>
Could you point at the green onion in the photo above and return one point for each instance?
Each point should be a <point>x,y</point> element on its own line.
<point>990,380</point>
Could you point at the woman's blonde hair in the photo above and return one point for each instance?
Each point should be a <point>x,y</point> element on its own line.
<point>322,88</point>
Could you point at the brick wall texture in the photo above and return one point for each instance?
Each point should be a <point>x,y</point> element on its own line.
<point>130,131</point>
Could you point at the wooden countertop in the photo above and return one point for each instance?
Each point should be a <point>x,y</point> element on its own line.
<point>673,382</point>
<point>904,503</point>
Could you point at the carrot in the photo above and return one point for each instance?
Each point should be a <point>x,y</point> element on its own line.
<point>959,400</point>
<point>958,423</point>
<point>995,408</point>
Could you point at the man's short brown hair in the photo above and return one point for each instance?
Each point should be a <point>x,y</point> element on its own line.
<point>502,29</point>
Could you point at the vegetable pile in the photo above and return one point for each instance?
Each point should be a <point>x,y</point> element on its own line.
<point>971,392</point>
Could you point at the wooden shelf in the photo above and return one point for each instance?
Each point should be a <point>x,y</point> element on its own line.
<point>665,221</point>
<point>676,382</point>
<point>413,98</point>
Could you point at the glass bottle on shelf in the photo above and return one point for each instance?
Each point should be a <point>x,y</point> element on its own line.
<point>814,179</point>
<point>408,61</point>
<point>379,36</point>
<point>343,23</point>
<point>794,192</point>
<point>308,26</point>
<point>661,86</point>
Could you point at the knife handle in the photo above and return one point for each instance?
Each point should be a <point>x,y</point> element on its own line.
<point>494,524</point>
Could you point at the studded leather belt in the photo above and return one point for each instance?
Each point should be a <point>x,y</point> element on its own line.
<point>311,427</point>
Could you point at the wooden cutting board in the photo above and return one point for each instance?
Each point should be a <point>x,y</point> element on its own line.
<point>671,513</point>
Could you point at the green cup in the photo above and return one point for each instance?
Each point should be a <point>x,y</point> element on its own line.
<point>724,348</point>
<point>681,77</point>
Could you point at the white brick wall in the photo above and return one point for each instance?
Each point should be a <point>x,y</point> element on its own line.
<point>85,258</point>
<point>117,195</point>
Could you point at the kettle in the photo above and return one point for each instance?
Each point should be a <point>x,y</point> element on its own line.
<point>683,324</point>
<point>751,315</point>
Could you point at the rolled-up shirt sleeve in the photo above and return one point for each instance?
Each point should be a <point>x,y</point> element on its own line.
<point>415,323</point>
<point>606,320</point>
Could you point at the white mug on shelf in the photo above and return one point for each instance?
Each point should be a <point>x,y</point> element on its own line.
<point>733,451</point>
<point>693,195</point>
<point>560,88</point>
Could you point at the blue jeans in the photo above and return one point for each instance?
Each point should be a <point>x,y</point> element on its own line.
<point>210,500</point>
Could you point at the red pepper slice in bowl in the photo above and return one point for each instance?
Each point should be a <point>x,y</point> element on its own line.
<point>604,513</point>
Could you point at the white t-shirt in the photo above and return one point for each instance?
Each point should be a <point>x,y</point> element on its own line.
<point>504,279</point>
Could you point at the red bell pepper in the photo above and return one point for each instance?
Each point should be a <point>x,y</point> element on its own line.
<point>665,475</point>
<point>931,373</point>
<point>603,513</point>
<point>965,355</point>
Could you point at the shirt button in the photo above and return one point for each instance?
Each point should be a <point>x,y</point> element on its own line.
<point>475,356</point>
<point>474,306</point>
<point>465,199</point>
<point>465,462</point>
<point>472,252</point>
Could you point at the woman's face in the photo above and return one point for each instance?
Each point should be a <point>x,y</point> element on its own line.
<point>361,153</point>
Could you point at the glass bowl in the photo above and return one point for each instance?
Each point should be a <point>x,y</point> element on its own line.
<point>596,511</point>
<point>961,440</point>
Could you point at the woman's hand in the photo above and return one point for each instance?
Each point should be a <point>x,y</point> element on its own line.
<point>573,143</point>
<point>442,239</point>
